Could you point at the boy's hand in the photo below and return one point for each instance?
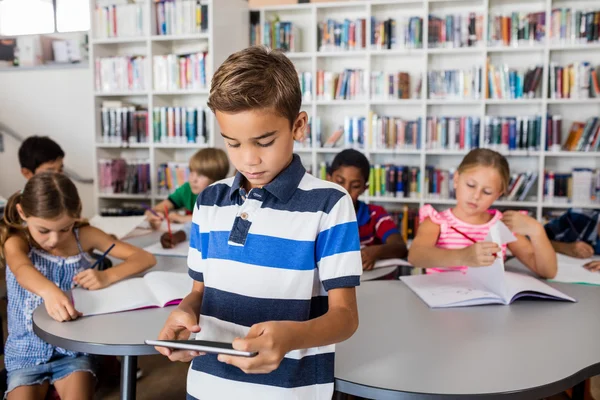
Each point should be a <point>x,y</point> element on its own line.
<point>593,266</point>
<point>179,326</point>
<point>168,243</point>
<point>270,340</point>
<point>369,255</point>
<point>580,249</point>
<point>155,222</point>
<point>59,306</point>
<point>92,279</point>
<point>481,254</point>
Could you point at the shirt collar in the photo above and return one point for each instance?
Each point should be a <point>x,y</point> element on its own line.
<point>284,184</point>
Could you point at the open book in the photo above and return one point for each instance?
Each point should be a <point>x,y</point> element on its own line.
<point>155,289</point>
<point>481,285</point>
<point>570,270</point>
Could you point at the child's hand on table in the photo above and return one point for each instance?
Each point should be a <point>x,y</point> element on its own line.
<point>59,306</point>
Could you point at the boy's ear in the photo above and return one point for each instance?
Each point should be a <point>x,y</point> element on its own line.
<point>27,174</point>
<point>300,125</point>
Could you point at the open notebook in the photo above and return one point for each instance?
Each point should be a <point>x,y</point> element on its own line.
<point>155,289</point>
<point>482,285</point>
<point>570,270</point>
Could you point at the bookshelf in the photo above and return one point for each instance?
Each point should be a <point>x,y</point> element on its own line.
<point>543,51</point>
<point>138,33</point>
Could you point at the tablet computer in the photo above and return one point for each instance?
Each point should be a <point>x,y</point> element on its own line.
<point>204,346</point>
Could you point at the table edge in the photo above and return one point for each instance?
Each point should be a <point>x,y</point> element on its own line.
<point>542,391</point>
<point>94,348</point>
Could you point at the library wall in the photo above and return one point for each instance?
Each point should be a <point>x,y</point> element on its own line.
<point>57,103</point>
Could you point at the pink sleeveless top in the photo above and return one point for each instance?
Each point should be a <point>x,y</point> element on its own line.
<point>450,239</point>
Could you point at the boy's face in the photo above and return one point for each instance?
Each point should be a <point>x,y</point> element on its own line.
<point>351,179</point>
<point>198,182</point>
<point>260,143</point>
<point>50,166</point>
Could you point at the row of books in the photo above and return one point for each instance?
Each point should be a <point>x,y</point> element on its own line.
<point>281,35</point>
<point>305,79</point>
<point>513,133</point>
<point>455,84</point>
<point>510,83</point>
<point>119,20</point>
<point>180,125</point>
<point>123,123</point>
<point>578,80</point>
<point>583,136</point>
<point>407,222</point>
<point>119,176</point>
<point>517,29</point>
<point>390,34</point>
<point>393,133</point>
<point>457,30</point>
<point>393,86</point>
<point>120,73</point>
<point>124,210</point>
<point>174,71</point>
<point>351,134</point>
<point>452,133</point>
<point>333,35</point>
<point>581,185</point>
<point>348,85</point>
<point>399,181</point>
<point>171,176</point>
<point>180,17</point>
<point>570,25</point>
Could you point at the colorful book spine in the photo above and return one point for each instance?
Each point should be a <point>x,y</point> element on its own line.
<point>348,35</point>
<point>580,186</point>
<point>348,85</point>
<point>407,222</point>
<point>180,125</point>
<point>391,34</point>
<point>517,29</point>
<point>281,35</point>
<point>579,80</point>
<point>120,176</point>
<point>399,181</point>
<point>119,20</point>
<point>392,86</point>
<point>582,136</point>
<point>393,133</point>
<point>306,81</point>
<point>456,84</point>
<point>124,125</point>
<point>181,17</point>
<point>171,176</point>
<point>452,133</point>
<point>180,72</point>
<point>455,30</point>
<point>120,73</point>
<point>505,83</point>
<point>574,26</point>
<point>513,133</point>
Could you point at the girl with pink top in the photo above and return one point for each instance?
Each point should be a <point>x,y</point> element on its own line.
<point>443,241</point>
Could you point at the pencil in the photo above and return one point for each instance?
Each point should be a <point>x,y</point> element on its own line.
<point>168,223</point>
<point>470,238</point>
<point>147,207</point>
<point>103,256</point>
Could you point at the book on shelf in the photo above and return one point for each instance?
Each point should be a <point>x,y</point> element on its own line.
<point>123,123</point>
<point>389,34</point>
<point>181,17</point>
<point>554,132</point>
<point>583,136</point>
<point>179,125</point>
<point>455,30</point>
<point>455,84</point>
<point>578,80</point>
<point>510,83</point>
<point>120,73</point>
<point>385,86</point>
<point>517,29</point>
<point>399,181</point>
<point>119,20</point>
<point>574,26</point>
<point>481,285</point>
<point>123,210</point>
<point>170,176</point>
<point>407,222</point>
<point>393,133</point>
<point>153,290</point>
<point>438,183</point>
<point>119,176</point>
<point>347,85</point>
<point>513,133</point>
<point>452,133</point>
<point>180,71</point>
<point>521,185</point>
<point>333,35</point>
<point>282,35</point>
<point>306,79</point>
<point>581,185</point>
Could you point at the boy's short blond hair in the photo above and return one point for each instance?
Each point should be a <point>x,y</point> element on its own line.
<point>211,162</point>
<point>256,78</point>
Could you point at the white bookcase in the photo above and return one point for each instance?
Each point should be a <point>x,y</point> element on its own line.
<point>227,32</point>
<point>415,61</point>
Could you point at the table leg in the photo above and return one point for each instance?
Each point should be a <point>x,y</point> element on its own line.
<point>128,378</point>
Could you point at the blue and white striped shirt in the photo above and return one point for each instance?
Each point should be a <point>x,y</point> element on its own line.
<point>270,255</point>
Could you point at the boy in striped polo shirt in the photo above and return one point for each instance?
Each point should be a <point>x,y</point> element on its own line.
<point>379,236</point>
<point>274,252</point>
